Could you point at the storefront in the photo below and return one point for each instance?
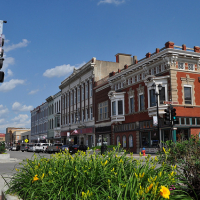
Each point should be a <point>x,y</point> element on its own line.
<point>103,135</point>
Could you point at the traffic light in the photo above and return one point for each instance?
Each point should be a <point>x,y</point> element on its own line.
<point>173,116</point>
<point>167,117</point>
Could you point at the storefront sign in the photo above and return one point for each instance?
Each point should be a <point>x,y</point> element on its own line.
<point>57,135</point>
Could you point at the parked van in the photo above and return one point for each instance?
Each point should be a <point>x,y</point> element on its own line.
<point>41,147</point>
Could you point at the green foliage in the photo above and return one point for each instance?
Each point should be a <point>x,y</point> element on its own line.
<point>186,155</point>
<point>84,176</point>
<point>2,147</point>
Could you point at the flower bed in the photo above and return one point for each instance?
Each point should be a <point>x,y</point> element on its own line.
<point>86,176</point>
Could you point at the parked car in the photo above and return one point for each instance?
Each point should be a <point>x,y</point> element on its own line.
<point>41,147</point>
<point>65,147</point>
<point>13,148</point>
<point>76,147</point>
<point>55,148</point>
<point>24,147</point>
<point>31,147</point>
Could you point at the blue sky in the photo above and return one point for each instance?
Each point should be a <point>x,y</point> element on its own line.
<point>45,39</point>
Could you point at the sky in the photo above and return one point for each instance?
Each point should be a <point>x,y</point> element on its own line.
<point>45,40</point>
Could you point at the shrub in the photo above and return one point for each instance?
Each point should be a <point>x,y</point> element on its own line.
<point>185,154</point>
<point>84,176</point>
<point>2,147</point>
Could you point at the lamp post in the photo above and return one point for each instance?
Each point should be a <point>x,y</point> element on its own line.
<point>157,93</point>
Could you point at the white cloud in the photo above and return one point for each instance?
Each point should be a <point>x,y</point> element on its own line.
<point>7,86</point>
<point>58,71</point>
<point>24,43</point>
<point>9,73</point>
<point>33,91</point>
<point>18,107</point>
<point>116,2</point>
<point>21,118</point>
<point>3,111</point>
<point>8,61</point>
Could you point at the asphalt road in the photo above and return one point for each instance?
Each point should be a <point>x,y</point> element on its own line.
<point>17,157</point>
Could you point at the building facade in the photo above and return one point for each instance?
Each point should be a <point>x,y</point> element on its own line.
<point>2,137</point>
<point>174,71</point>
<point>39,123</point>
<point>77,99</point>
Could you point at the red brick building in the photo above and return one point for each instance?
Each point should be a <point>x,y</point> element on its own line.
<point>133,106</point>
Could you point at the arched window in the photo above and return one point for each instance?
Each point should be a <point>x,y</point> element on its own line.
<point>124,141</point>
<point>130,141</point>
<point>118,140</point>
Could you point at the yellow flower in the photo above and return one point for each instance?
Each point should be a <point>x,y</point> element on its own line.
<point>109,181</point>
<point>113,170</point>
<point>151,186</point>
<point>109,196</point>
<point>164,149</point>
<point>115,173</point>
<point>164,192</point>
<point>35,178</point>
<point>42,176</point>
<point>17,169</point>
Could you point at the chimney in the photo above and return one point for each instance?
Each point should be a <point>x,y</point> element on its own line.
<point>135,60</point>
<point>169,45</point>
<point>123,58</point>
<point>157,50</point>
<point>196,49</point>
<point>184,47</point>
<point>148,55</point>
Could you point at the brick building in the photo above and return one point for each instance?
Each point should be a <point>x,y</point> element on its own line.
<point>2,137</point>
<point>173,69</point>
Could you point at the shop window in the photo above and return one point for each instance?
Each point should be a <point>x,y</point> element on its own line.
<point>198,120</point>
<point>182,121</point>
<point>187,121</point>
<point>154,139</point>
<point>193,121</point>
<point>124,141</point>
<point>145,139</point>
<point>118,140</point>
<point>130,141</point>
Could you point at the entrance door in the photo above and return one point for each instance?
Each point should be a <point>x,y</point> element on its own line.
<point>90,141</point>
<point>75,140</point>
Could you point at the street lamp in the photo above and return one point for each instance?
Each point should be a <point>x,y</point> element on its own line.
<point>157,93</point>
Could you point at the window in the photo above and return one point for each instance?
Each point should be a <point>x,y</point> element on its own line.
<point>130,141</point>
<point>103,110</point>
<point>162,67</point>
<point>116,87</point>
<point>133,79</point>
<point>83,116</point>
<point>141,99</point>
<point>190,67</point>
<point>143,76</point>
<point>181,65</point>
<point>129,81</point>
<point>152,98</point>
<point>131,102</point>
<point>82,98</point>
<point>78,95</point>
<point>71,98</point>
<point>86,114</point>
<point>72,118</point>
<point>118,140</point>
<point>187,95</point>
<point>68,100</point>
<point>138,77</point>
<point>91,113</point>
<point>74,96</point>
<point>91,88</point>
<point>120,107</point>
<point>86,91</point>
<point>157,69</point>
<point>119,85</point>
<point>152,71</point>
<point>124,141</point>
<point>113,108</point>
<point>162,95</point>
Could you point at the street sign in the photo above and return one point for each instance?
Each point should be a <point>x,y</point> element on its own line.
<point>170,102</point>
<point>26,140</point>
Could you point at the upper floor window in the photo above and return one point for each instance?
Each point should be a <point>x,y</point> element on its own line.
<point>152,71</point>
<point>91,89</point>
<point>103,110</point>
<point>141,102</point>
<point>113,108</point>
<point>117,107</point>
<point>83,115</point>
<point>71,94</point>
<point>162,67</point>
<point>86,91</point>
<point>119,85</point>
<point>133,79</point>
<point>143,75</point>
<point>91,113</point>
<point>152,98</point>
<point>157,69</point>
<point>131,103</point>
<point>78,95</point>
<point>181,65</point>
<point>82,97</point>
<point>129,81</point>
<point>162,97</point>
<point>190,67</point>
<point>138,77</point>
<point>188,94</point>
<point>68,100</point>
<point>74,96</point>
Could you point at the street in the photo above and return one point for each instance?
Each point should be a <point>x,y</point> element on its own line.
<point>17,157</point>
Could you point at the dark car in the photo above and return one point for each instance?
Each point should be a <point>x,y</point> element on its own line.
<point>75,148</point>
<point>65,147</point>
